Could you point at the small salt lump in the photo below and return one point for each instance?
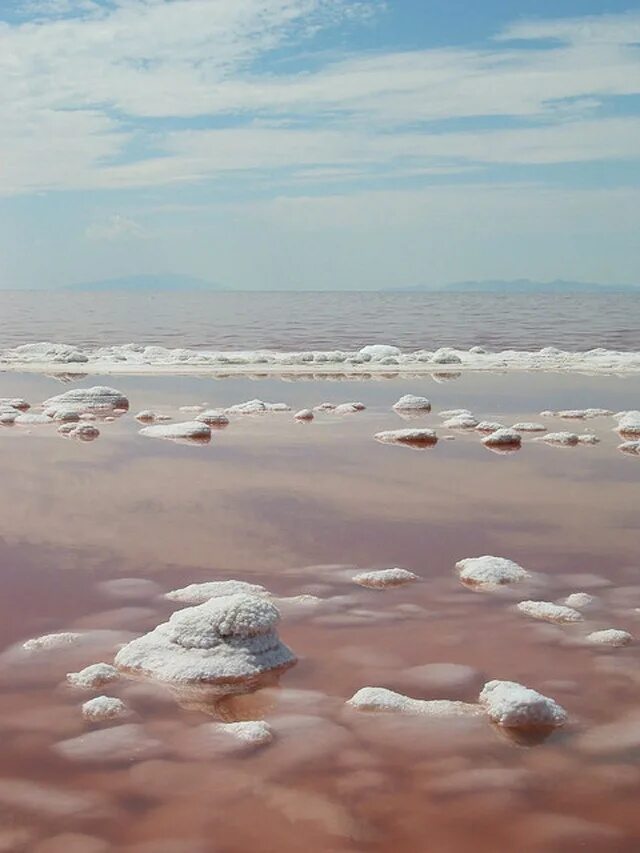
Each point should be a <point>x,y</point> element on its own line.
<point>381,699</point>
<point>515,706</point>
<point>579,600</point>
<point>349,408</point>
<point>503,438</point>
<point>97,398</point>
<point>256,407</point>
<point>213,417</point>
<point>632,447</point>
<point>198,593</point>
<point>32,419</point>
<point>304,415</point>
<point>629,424</point>
<point>489,426</point>
<point>563,439</point>
<point>191,430</point>
<point>461,422</point>
<point>529,426</point>
<point>610,637</point>
<point>384,578</point>
<point>104,708</point>
<point>51,641</point>
<point>94,675</point>
<point>549,612</point>
<point>490,571</point>
<point>84,432</point>
<point>411,403</point>
<point>247,732</point>
<point>455,413</point>
<point>408,436</point>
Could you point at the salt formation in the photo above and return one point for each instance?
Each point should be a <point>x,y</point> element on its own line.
<point>625,447</point>
<point>384,578</point>
<point>104,708</point>
<point>528,426</point>
<point>588,438</point>
<point>578,600</point>
<point>190,430</point>
<point>564,439</point>
<point>349,408</point>
<point>213,417</point>
<point>198,593</point>
<point>455,413</point>
<point>629,424</point>
<point>15,403</point>
<point>8,418</point>
<point>490,571</point>
<point>192,409</point>
<point>411,403</point>
<point>83,432</point>
<point>65,414</point>
<point>381,699</point>
<point>100,398</point>
<point>227,642</point>
<point>256,407</point>
<point>503,438</point>
<point>378,352</point>
<point>304,415</point>
<point>149,417</point>
<point>51,641</point>
<point>489,426</point>
<point>582,414</point>
<point>549,612</point>
<point>32,419</point>
<point>446,355</point>
<point>95,675</point>
<point>407,436</point>
<point>610,637</point>
<point>515,706</point>
<point>247,733</point>
<point>461,422</point>
<point>325,407</point>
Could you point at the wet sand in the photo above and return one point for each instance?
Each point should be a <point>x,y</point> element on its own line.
<point>301,508</point>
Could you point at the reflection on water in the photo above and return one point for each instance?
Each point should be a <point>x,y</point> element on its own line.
<point>300,510</point>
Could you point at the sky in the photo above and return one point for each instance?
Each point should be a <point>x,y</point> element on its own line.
<point>319,144</point>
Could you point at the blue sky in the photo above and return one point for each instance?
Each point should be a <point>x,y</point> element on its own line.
<point>319,144</point>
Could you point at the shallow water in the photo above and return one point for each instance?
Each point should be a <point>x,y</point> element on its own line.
<point>320,321</point>
<point>298,508</point>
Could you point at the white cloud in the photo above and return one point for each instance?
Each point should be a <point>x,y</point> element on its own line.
<point>115,227</point>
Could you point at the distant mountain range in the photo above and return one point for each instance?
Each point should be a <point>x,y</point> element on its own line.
<point>148,284</point>
<point>526,285</point>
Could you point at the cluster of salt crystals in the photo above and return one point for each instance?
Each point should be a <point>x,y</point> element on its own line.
<point>465,421</point>
<point>349,408</point>
<point>489,426</point>
<point>104,708</point>
<point>198,593</point>
<point>422,437</point>
<point>529,426</point>
<point>385,578</point>
<point>563,439</point>
<point>94,675</point>
<point>187,430</point>
<point>381,699</point>
<point>613,637</point>
<point>304,415</point>
<point>256,407</point>
<point>578,414</point>
<point>503,438</point>
<point>488,571</point>
<point>51,641</point>
<point>412,403</point>
<point>227,641</point>
<point>32,419</point>
<point>549,612</point>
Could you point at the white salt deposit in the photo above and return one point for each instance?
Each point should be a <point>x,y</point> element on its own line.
<point>455,413</point>
<point>629,424</point>
<point>192,409</point>
<point>446,355</point>
<point>325,407</point>
<point>503,438</point>
<point>563,439</point>
<point>190,430</point>
<point>104,708</point>
<point>407,436</point>
<point>198,593</point>
<point>224,641</point>
<point>384,578</point>
<point>304,415</point>
<point>146,416</point>
<point>515,706</point>
<point>213,417</point>
<point>349,408</point>
<point>32,419</point>
<point>582,414</point>
<point>588,438</point>
<point>378,352</point>
<point>632,447</point>
<point>489,426</point>
<point>461,422</point>
<point>381,699</point>
<point>95,675</point>
<point>249,733</point>
<point>578,600</point>
<point>15,403</point>
<point>98,398</point>
<point>256,407</point>
<point>610,637</point>
<point>488,571</point>
<point>411,403</point>
<point>83,432</point>
<point>51,641</point>
<point>8,418</point>
<point>549,612</point>
<point>529,426</point>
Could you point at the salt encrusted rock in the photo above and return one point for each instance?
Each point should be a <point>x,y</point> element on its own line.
<point>32,419</point>
<point>490,571</point>
<point>529,426</point>
<point>256,407</point>
<point>51,641</point>
<point>578,600</point>
<point>455,413</point>
<point>213,417</point>
<point>489,426</point>
<point>99,398</point>
<point>632,447</point>
<point>384,578</point>
<point>549,612</point>
<point>461,422</point>
<point>515,706</point>
<point>381,699</point>
<point>610,637</point>
<point>304,415</point>
<point>95,675</point>
<point>378,352</point>
<point>411,403</point>
<point>198,593</point>
<point>104,708</point>
<point>408,436</point>
<point>503,438</point>
<point>248,733</point>
<point>629,424</point>
<point>191,430</point>
<point>564,439</point>
<point>227,641</point>
<point>349,408</point>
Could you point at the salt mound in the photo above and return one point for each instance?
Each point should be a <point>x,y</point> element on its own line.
<point>15,403</point>
<point>455,413</point>
<point>213,417</point>
<point>32,419</point>
<point>381,699</point>
<point>198,593</point>
<point>579,600</point>
<point>610,637</point>
<point>411,403</point>
<point>225,641</point>
<point>349,408</point>
<point>461,422</point>
<point>98,398</point>
<point>378,352</point>
<point>83,432</point>
<point>489,426</point>
<point>490,571</point>
<point>104,708</point>
<point>384,578</point>
<point>8,418</point>
<point>445,355</point>
<point>503,438</point>
<point>325,407</point>
<point>408,436</point>
<point>248,733</point>
<point>304,415</point>
<point>630,447</point>
<point>65,414</point>
<point>191,430</point>
<point>582,414</point>
<point>51,641</point>
<point>565,439</point>
<point>149,417</point>
<point>549,612</point>
<point>629,424</point>
<point>256,407</point>
<point>515,706</point>
<point>95,675</point>
<point>528,426</point>
<point>588,438</point>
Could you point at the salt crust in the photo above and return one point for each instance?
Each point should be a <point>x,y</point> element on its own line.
<point>490,571</point>
<point>630,447</point>
<point>304,415</point>
<point>454,413</point>
<point>407,436</point>
<point>384,578</point>
<point>224,641</point>
<point>578,600</point>
<point>250,732</point>
<point>199,593</point>
<point>610,637</point>
<point>98,398</point>
<point>104,708</point>
<point>489,426</point>
<point>529,426</point>
<point>185,430</point>
<point>95,675</point>
<point>629,424</point>
<point>134,358</point>
<point>256,407</point>
<point>549,612</point>
<point>149,417</point>
<point>565,439</point>
<point>51,641</point>
<point>8,418</point>
<point>213,417</point>
<point>411,403</point>
<point>349,408</point>
<point>461,422</point>
<point>32,419</point>
<point>503,438</point>
<point>581,414</point>
<point>83,432</point>
<point>515,706</point>
<point>381,699</point>
<point>15,403</point>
